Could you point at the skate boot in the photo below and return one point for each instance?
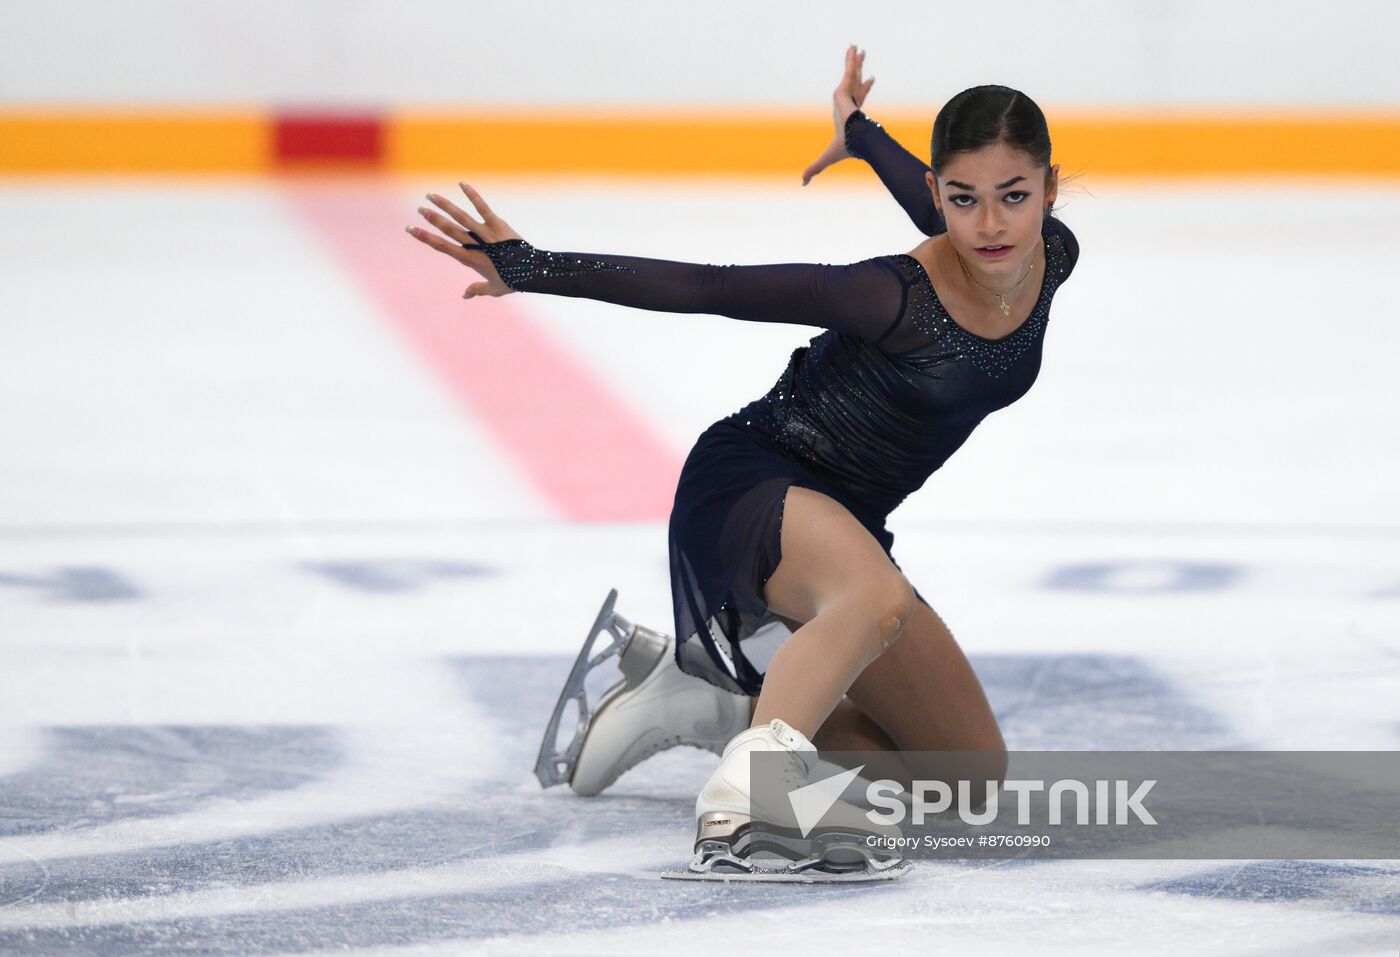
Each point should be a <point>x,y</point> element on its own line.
<point>652,707</point>
<point>736,838</point>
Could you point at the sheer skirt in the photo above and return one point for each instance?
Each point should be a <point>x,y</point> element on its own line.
<point>725,543</point>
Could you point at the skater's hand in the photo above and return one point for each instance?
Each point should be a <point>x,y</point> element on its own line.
<point>461,228</point>
<point>850,94</point>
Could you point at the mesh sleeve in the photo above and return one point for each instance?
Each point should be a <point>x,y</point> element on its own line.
<point>900,170</point>
<point>864,299</point>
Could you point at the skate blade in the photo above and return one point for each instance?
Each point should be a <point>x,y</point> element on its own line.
<point>716,861</point>
<point>788,875</point>
<point>555,765</point>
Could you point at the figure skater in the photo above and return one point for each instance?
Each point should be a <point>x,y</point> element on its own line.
<point>784,586</point>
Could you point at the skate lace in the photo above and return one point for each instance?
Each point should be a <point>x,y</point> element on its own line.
<point>794,773</point>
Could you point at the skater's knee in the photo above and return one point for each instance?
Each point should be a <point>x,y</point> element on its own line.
<point>897,600</point>
<point>879,610</point>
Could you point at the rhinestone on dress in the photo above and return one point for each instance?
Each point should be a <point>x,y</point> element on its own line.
<point>518,262</point>
<point>991,356</point>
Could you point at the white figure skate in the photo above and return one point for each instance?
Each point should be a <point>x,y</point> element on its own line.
<point>653,707</point>
<point>738,840</point>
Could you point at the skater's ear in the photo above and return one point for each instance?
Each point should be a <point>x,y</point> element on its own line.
<point>933,189</point>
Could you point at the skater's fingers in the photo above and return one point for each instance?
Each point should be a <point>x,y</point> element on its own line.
<point>492,228</point>
<point>480,203</point>
<point>834,153</point>
<point>429,238</point>
<point>458,214</point>
<point>447,226</point>
<point>483,289</point>
<point>863,91</point>
<point>855,62</point>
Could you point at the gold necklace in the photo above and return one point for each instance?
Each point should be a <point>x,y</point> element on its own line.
<point>1005,309</point>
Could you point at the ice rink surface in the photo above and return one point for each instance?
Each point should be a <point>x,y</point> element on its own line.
<point>296,547</point>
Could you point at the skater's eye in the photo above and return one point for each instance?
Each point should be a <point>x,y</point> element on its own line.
<point>1020,193</point>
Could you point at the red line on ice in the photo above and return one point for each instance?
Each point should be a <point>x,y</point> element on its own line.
<point>580,444</point>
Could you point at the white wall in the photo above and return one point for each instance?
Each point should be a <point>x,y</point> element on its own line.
<point>723,53</point>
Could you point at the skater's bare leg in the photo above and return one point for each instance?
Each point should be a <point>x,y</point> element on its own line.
<point>847,728</point>
<point>923,692</point>
<point>850,738</point>
<point>850,731</point>
<point>930,694</point>
<point>925,695</point>
<point>919,694</point>
<point>836,579</point>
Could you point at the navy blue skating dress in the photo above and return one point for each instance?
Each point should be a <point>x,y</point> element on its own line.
<point>865,412</point>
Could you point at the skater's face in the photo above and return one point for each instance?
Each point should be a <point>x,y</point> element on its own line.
<point>994,196</point>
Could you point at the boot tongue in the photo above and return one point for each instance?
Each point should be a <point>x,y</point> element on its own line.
<point>802,749</point>
<point>787,737</point>
<point>790,736</point>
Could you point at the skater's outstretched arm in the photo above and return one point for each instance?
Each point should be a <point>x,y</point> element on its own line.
<point>900,170</point>
<point>858,136</point>
<point>865,299</point>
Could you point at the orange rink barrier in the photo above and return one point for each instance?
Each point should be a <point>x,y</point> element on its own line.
<point>691,142</point>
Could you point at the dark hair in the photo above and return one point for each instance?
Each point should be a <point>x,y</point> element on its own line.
<point>984,115</point>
